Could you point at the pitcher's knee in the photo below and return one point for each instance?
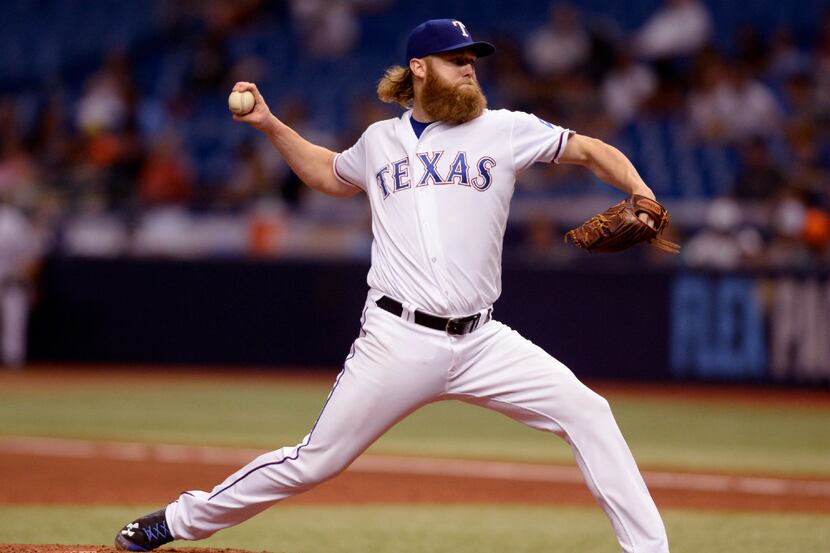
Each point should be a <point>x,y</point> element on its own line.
<point>592,405</point>
<point>316,474</point>
<point>317,469</point>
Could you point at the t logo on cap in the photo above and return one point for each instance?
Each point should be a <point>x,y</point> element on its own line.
<point>461,26</point>
<point>437,36</point>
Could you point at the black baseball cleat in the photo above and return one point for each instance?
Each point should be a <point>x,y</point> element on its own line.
<point>144,534</point>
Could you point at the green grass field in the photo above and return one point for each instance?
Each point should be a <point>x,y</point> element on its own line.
<point>772,439</point>
<point>424,528</point>
<point>268,413</point>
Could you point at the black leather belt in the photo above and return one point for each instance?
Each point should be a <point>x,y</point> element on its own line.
<point>456,326</point>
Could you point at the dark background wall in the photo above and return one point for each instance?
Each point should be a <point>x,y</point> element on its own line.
<point>656,325</point>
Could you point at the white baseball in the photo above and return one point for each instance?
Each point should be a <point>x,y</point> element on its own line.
<point>241,103</point>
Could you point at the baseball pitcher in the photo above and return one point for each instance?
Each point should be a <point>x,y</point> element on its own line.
<point>439,180</point>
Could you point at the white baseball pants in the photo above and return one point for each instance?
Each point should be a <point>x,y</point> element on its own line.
<point>394,368</point>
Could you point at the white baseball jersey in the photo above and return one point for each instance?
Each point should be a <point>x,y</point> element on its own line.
<point>440,203</point>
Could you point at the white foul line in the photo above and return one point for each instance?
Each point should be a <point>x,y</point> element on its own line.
<point>460,468</point>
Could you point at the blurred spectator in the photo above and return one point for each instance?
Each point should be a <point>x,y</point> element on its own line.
<point>250,68</point>
<point>51,137</point>
<point>822,67</point>
<point>210,62</point>
<point>113,161</point>
<point>166,231</point>
<point>108,153</point>
<point>252,175</point>
<point>799,96</point>
<point>124,171</point>
<point>705,103</point>
<point>561,45</point>
<point>167,175</point>
<point>606,40</point>
<point>627,87</point>
<point>759,178</point>
<point>92,231</point>
<point>816,232</point>
<point>328,29</point>
<point>294,112</point>
<point>19,255</point>
<point>751,49</point>
<point>754,110</point>
<point>366,111</point>
<point>18,171</point>
<point>578,106</point>
<point>807,173</point>
<point>91,164</point>
<point>785,58</point>
<point>511,82</point>
<point>267,222</point>
<point>542,244</point>
<point>723,243</point>
<point>731,105</point>
<point>223,15</point>
<point>679,28</point>
<point>787,249</point>
<point>104,105</point>
<point>153,114</point>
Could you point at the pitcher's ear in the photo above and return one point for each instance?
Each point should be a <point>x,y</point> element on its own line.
<point>418,66</point>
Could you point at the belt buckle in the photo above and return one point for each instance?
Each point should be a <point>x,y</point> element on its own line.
<point>470,322</point>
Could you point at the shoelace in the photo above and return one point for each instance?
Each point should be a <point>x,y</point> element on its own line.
<point>158,531</point>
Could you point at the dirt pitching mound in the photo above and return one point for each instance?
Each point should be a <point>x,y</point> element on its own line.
<point>52,548</point>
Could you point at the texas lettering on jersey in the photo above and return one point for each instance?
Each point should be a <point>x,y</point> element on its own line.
<point>398,175</point>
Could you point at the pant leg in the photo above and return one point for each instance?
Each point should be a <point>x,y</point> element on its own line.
<point>14,309</point>
<point>499,369</point>
<point>393,369</point>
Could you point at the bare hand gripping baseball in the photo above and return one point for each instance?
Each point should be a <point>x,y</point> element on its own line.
<point>257,115</point>
<point>312,163</point>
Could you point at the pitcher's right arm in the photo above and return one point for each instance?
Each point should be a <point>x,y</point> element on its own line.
<point>311,163</point>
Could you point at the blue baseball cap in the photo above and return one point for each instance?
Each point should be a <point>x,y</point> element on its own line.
<point>443,35</point>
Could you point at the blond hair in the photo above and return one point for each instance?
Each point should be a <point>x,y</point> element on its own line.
<point>396,86</point>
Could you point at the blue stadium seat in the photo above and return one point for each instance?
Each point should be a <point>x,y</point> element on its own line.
<point>74,37</point>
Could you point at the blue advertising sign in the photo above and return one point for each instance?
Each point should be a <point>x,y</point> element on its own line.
<point>761,328</point>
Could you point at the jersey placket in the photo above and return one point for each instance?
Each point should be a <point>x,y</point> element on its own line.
<point>428,224</point>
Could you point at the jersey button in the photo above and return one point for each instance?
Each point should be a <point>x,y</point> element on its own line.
<point>434,259</point>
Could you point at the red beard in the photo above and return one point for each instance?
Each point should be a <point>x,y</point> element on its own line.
<point>451,104</point>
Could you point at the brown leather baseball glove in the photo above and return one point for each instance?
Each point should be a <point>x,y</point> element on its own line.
<point>619,227</point>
